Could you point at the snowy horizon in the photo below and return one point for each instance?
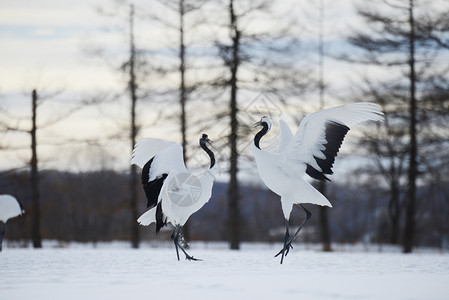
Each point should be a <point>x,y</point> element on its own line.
<point>111,271</point>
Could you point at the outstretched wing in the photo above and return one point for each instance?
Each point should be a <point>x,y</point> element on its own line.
<point>157,158</point>
<point>321,134</point>
<point>10,207</point>
<point>280,142</point>
<point>286,135</point>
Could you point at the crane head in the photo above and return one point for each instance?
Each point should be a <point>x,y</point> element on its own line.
<point>264,120</point>
<point>205,138</point>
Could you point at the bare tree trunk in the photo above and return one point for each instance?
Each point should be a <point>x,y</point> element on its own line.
<point>182,69</point>
<point>133,176</point>
<point>35,222</point>
<point>233,190</point>
<point>183,96</point>
<point>412,172</point>
<point>324,220</point>
<point>393,211</point>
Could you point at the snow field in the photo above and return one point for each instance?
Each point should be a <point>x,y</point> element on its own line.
<point>114,272</point>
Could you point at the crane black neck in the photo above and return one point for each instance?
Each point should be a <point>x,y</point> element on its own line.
<point>203,145</point>
<point>260,134</point>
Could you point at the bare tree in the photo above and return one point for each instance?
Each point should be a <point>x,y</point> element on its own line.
<point>387,145</point>
<point>135,69</point>
<point>268,56</point>
<point>34,178</point>
<point>233,190</point>
<point>396,40</point>
<point>182,9</point>
<point>132,86</point>
<point>319,22</point>
<point>324,219</point>
<point>412,169</point>
<point>35,225</point>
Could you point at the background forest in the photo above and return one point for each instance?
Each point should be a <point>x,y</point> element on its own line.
<point>76,94</point>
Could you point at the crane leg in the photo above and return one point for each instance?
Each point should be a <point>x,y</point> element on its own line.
<point>308,216</point>
<point>286,247</point>
<point>289,240</point>
<point>175,238</point>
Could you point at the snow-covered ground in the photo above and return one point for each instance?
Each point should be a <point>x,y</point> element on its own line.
<point>114,271</point>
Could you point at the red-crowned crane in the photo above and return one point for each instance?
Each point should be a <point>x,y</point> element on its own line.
<point>173,193</point>
<point>312,151</point>
<point>10,207</point>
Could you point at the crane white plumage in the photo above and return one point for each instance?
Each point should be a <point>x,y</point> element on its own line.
<point>173,193</point>
<point>312,151</point>
<point>10,207</point>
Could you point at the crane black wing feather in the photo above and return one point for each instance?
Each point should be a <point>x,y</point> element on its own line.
<point>146,171</point>
<point>161,220</point>
<point>152,188</point>
<point>334,136</point>
<point>320,135</point>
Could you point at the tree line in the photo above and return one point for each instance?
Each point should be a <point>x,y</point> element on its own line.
<point>235,57</point>
<point>92,207</point>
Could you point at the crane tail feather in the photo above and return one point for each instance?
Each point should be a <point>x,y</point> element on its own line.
<point>148,217</point>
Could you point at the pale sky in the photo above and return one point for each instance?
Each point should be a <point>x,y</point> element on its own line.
<point>43,42</point>
<point>44,45</point>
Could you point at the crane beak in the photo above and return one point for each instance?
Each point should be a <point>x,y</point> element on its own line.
<point>257,124</point>
<point>206,139</point>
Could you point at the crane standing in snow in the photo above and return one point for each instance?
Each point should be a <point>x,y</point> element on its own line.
<point>10,207</point>
<point>173,193</point>
<point>311,151</point>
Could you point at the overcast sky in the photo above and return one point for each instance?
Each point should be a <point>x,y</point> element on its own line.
<point>43,42</point>
<point>44,45</point>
